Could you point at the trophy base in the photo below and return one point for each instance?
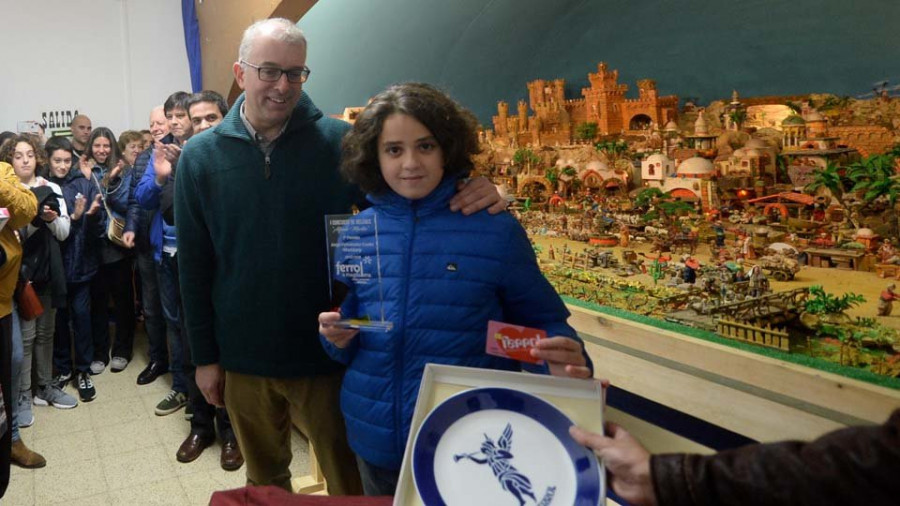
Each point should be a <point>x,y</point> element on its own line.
<point>369,325</point>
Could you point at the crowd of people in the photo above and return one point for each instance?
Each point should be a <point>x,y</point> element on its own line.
<point>103,224</point>
<point>233,270</point>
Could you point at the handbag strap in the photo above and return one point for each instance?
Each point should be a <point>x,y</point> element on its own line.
<point>103,194</point>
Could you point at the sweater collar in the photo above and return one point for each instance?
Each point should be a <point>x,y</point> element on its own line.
<point>434,201</point>
<point>304,113</point>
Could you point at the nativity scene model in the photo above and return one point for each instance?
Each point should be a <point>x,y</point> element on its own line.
<point>768,223</point>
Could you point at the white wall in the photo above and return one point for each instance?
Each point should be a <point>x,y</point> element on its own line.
<point>110,59</point>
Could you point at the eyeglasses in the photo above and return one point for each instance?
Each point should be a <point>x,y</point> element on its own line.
<point>273,74</point>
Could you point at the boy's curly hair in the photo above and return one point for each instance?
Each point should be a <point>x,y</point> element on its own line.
<point>454,128</point>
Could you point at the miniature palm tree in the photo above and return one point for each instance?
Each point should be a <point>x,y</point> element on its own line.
<point>525,157</point>
<point>552,175</point>
<point>826,314</point>
<point>586,131</point>
<point>830,178</point>
<point>614,150</point>
<point>738,116</point>
<point>875,179</point>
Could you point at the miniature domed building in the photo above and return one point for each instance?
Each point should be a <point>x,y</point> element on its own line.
<point>700,126</point>
<point>701,138</point>
<point>793,120</point>
<point>816,125</point>
<point>794,129</point>
<point>655,168</point>
<point>594,173</point>
<point>754,159</point>
<point>671,127</point>
<point>696,167</point>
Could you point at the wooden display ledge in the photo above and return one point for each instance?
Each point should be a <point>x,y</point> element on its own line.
<point>758,397</point>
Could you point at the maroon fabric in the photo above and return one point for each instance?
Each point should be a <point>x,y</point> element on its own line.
<point>263,496</point>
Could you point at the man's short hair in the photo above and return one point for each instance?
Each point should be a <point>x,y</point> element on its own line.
<point>177,100</point>
<point>208,96</point>
<point>279,28</point>
<point>77,117</point>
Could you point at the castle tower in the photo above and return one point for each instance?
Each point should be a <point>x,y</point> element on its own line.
<point>647,89</point>
<point>559,89</point>
<point>604,99</point>
<point>501,119</point>
<point>523,116</point>
<point>536,93</point>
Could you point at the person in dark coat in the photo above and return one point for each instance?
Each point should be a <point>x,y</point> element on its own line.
<point>80,261</point>
<point>856,465</point>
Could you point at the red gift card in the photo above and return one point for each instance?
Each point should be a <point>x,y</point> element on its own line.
<point>513,341</point>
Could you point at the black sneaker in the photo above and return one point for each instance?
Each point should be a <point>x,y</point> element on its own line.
<point>61,380</point>
<point>86,387</point>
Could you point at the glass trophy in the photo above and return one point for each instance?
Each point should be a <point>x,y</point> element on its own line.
<point>354,262</point>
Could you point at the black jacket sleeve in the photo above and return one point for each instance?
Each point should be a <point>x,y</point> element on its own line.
<point>857,465</point>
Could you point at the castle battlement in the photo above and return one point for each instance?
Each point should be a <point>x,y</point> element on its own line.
<point>603,102</point>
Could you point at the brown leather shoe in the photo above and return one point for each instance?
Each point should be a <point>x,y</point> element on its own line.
<point>192,447</point>
<point>23,457</point>
<point>231,458</point>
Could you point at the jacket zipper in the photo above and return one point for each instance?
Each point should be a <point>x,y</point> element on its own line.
<point>401,347</point>
<point>268,167</point>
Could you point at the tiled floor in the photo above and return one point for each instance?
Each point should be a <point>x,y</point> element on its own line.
<point>115,451</point>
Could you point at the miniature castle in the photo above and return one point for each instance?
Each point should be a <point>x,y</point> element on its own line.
<point>555,117</point>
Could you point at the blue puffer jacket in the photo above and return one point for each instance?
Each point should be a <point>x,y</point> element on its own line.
<point>444,276</point>
<point>80,256</point>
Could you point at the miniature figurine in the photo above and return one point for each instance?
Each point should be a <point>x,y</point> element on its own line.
<point>689,273</point>
<point>757,281</point>
<point>886,300</point>
<point>887,254</point>
<point>747,248</point>
<point>624,236</point>
<point>720,234</point>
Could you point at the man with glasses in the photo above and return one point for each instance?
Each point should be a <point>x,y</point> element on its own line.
<point>252,195</point>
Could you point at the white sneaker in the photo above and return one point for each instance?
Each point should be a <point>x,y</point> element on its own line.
<point>50,395</point>
<point>118,364</point>
<point>97,367</point>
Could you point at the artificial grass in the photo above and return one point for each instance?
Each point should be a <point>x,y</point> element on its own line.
<point>804,360</point>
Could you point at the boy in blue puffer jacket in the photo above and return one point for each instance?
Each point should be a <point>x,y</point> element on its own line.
<point>443,275</point>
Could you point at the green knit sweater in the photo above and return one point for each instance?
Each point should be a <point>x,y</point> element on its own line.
<point>251,242</point>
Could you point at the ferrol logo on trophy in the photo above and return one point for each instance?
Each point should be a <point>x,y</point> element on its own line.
<point>354,265</point>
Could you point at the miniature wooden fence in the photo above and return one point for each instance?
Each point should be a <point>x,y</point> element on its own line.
<point>763,336</point>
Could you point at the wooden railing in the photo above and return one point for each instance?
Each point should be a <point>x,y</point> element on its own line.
<point>763,336</point>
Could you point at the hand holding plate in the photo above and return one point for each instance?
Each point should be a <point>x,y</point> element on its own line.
<point>627,462</point>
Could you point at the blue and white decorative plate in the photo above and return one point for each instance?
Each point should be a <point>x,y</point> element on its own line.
<point>497,447</point>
